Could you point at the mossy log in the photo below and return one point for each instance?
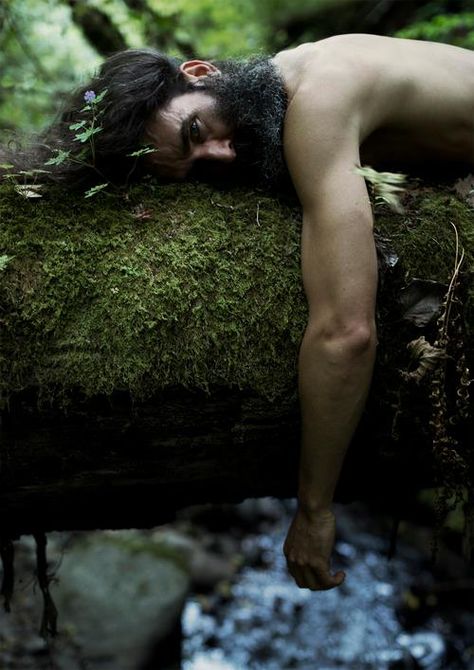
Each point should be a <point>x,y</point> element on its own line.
<point>149,350</point>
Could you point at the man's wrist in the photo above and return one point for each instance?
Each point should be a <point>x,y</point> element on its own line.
<point>314,508</point>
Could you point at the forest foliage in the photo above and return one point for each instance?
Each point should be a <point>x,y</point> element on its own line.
<point>49,46</point>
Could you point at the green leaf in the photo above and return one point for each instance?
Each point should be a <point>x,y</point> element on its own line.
<point>60,157</point>
<point>87,134</point>
<point>6,166</point>
<point>95,189</point>
<point>100,97</point>
<point>78,125</point>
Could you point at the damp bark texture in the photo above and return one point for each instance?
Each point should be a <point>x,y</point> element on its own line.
<point>149,351</point>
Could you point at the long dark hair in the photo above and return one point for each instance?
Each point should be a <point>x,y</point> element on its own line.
<point>137,82</point>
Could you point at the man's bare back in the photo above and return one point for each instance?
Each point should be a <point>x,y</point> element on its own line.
<point>414,100</point>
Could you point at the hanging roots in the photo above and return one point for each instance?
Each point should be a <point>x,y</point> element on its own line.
<point>443,366</point>
<point>451,463</point>
<point>50,613</point>
<point>7,554</point>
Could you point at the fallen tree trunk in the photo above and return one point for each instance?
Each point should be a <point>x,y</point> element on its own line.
<point>149,349</point>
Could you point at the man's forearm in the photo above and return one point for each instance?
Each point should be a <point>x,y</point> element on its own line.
<point>334,379</point>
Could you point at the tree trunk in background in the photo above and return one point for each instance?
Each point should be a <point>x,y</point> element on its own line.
<point>162,29</point>
<point>97,27</point>
<point>149,347</point>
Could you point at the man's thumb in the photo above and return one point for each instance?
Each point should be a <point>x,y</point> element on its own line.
<point>339,577</point>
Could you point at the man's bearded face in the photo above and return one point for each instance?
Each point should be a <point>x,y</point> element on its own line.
<point>233,119</point>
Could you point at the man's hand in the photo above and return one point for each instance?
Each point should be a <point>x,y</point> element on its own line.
<point>308,548</point>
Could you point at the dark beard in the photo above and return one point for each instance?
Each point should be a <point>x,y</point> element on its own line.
<point>251,98</point>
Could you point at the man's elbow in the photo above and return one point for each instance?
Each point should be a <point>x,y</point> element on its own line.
<point>343,340</point>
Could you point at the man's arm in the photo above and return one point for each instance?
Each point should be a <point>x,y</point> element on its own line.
<point>337,352</point>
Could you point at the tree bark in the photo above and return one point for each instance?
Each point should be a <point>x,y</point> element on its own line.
<point>97,27</point>
<point>149,347</point>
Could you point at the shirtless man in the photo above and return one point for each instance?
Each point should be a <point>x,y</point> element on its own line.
<point>352,99</point>
<point>337,103</point>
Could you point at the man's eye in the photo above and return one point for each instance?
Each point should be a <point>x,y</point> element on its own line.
<point>194,132</point>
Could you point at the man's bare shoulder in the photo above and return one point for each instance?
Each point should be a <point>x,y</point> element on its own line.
<point>325,99</point>
<point>369,56</point>
<point>303,64</point>
<point>366,77</point>
<point>337,75</point>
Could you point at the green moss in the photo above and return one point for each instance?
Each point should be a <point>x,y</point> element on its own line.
<point>425,240</point>
<point>206,291</point>
<point>203,292</point>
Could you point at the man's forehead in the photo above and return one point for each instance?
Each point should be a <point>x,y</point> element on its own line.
<point>183,104</point>
<point>165,125</point>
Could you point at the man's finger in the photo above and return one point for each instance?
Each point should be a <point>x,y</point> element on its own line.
<point>316,578</point>
<point>295,571</point>
<point>326,581</point>
<point>310,579</point>
<point>319,578</point>
<point>340,576</point>
<point>303,576</point>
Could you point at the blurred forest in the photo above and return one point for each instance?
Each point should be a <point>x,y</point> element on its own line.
<point>49,46</point>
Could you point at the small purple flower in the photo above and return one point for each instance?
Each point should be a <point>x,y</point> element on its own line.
<point>89,96</point>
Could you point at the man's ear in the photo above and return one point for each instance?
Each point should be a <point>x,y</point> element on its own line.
<point>194,69</point>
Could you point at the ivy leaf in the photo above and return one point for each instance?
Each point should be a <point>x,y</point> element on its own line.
<point>95,189</point>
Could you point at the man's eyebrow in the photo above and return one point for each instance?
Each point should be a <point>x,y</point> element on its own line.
<point>184,133</point>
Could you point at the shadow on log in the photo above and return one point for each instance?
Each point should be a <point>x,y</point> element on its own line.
<point>149,348</point>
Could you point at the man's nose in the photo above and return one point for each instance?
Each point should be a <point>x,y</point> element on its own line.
<point>217,150</point>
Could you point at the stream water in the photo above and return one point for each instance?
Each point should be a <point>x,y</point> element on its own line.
<point>374,621</point>
<point>388,615</point>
